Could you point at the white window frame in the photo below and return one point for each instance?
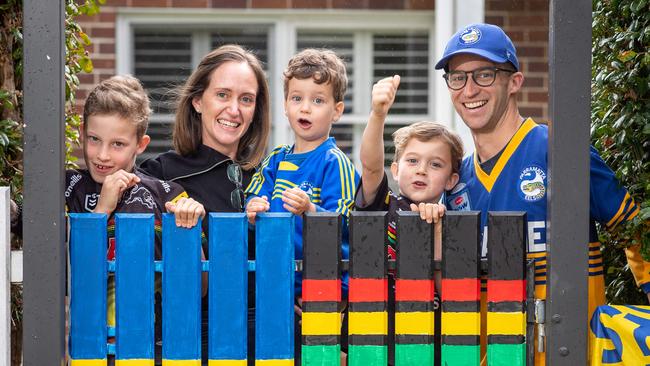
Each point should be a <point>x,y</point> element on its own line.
<point>283,25</point>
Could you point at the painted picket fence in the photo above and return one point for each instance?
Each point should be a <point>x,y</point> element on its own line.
<point>414,320</point>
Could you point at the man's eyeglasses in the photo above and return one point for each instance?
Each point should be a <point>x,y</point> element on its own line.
<point>237,195</point>
<point>484,76</point>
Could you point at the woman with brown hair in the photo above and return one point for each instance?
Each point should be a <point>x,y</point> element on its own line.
<point>220,131</point>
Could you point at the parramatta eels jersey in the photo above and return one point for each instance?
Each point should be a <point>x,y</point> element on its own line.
<point>326,174</point>
<point>518,182</point>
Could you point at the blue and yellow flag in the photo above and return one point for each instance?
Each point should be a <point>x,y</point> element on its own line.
<point>620,335</point>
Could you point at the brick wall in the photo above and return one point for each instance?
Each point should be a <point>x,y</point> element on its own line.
<point>526,21</point>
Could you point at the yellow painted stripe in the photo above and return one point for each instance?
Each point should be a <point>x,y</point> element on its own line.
<point>368,322</point>
<point>274,362</point>
<point>226,362</point>
<point>314,323</point>
<point>455,323</point>
<point>88,362</point>
<point>134,362</point>
<point>181,363</point>
<point>541,254</point>
<point>414,323</point>
<point>506,323</point>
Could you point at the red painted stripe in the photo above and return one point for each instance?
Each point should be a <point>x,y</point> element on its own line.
<point>506,290</point>
<point>368,290</point>
<point>466,289</point>
<point>414,290</point>
<point>321,290</point>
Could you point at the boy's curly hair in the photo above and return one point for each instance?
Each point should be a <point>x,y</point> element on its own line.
<point>323,65</point>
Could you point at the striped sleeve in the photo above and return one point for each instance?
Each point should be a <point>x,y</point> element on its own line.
<point>264,178</point>
<point>610,203</point>
<point>339,183</point>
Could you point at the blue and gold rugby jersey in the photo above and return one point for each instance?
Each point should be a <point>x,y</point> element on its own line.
<point>518,182</point>
<point>326,174</point>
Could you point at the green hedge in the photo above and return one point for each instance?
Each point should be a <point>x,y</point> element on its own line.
<point>620,119</point>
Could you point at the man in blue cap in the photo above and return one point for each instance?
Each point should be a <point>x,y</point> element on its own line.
<point>508,169</point>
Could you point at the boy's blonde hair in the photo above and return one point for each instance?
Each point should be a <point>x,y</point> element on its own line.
<point>426,131</point>
<point>323,65</point>
<point>122,95</point>
<point>187,136</point>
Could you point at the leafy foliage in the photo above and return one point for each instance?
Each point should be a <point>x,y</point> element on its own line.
<point>621,125</point>
<point>11,109</point>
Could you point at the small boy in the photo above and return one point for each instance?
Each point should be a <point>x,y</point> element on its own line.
<point>427,162</point>
<point>313,174</point>
<point>116,114</point>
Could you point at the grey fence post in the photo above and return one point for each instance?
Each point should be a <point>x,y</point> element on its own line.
<point>568,180</point>
<point>44,221</point>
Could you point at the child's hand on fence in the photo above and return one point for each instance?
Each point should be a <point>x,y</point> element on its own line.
<point>114,185</point>
<point>431,212</point>
<point>255,205</point>
<point>187,211</point>
<point>297,201</point>
<point>383,95</point>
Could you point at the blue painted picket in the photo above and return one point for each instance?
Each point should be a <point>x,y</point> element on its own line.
<point>181,276</point>
<point>136,268</point>
<point>88,271</point>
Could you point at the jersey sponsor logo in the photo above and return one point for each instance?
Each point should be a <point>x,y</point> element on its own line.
<point>308,188</point>
<point>90,201</point>
<point>460,202</point>
<point>470,35</point>
<point>74,180</point>
<point>532,183</point>
<point>141,195</point>
<point>536,238</point>
<point>458,198</point>
<point>165,186</point>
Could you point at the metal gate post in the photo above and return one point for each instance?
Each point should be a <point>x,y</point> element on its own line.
<point>568,180</point>
<point>44,220</point>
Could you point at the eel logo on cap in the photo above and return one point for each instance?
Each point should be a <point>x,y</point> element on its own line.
<point>470,35</point>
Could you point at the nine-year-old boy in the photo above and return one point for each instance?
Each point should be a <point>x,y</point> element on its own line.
<point>116,115</point>
<point>426,164</point>
<point>313,174</point>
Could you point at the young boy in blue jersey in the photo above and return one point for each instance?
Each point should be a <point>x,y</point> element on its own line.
<point>508,171</point>
<point>313,174</point>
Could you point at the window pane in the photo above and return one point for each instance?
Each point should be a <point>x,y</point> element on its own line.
<point>344,135</point>
<point>343,45</point>
<point>406,55</point>
<point>163,61</point>
<point>389,147</point>
<point>254,39</point>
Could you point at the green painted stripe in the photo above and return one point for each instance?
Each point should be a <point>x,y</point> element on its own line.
<point>367,355</point>
<point>413,354</point>
<point>460,355</point>
<point>506,354</point>
<point>321,355</point>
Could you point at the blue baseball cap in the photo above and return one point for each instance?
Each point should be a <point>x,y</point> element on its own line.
<point>485,40</point>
